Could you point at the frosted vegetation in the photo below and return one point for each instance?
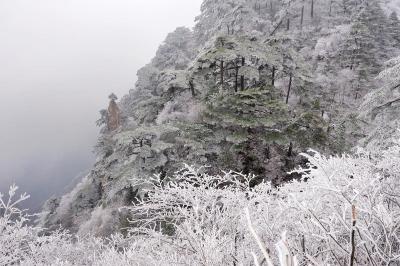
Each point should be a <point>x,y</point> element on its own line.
<point>344,209</point>
<point>272,92</point>
<point>252,86</point>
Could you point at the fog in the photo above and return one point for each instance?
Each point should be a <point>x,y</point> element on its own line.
<point>59,60</point>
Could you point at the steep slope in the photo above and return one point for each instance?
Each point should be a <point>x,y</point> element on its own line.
<point>255,83</point>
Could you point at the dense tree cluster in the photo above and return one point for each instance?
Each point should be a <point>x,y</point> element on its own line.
<point>251,87</point>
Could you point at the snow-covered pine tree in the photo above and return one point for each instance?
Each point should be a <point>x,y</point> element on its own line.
<point>360,52</point>
<point>373,16</point>
<point>176,51</point>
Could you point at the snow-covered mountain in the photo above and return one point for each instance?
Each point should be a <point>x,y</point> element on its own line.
<point>255,83</point>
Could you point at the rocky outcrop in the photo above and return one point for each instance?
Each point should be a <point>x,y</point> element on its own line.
<point>114,114</point>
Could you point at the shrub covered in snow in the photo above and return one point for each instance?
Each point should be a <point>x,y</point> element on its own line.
<point>345,209</point>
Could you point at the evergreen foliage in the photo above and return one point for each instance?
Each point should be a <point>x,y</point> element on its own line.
<point>251,87</point>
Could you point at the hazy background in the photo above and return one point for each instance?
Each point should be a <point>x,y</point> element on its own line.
<point>59,60</point>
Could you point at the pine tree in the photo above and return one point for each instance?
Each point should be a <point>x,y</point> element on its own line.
<point>209,21</point>
<point>374,18</point>
<point>364,60</point>
<point>365,50</point>
<point>177,50</point>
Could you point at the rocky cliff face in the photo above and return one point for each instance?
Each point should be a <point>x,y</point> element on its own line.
<point>253,85</point>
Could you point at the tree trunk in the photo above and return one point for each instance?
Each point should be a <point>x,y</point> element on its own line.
<point>273,76</point>
<point>312,8</point>
<point>288,24</point>
<point>236,77</point>
<point>353,235</point>
<point>289,88</point>
<point>242,82</point>
<point>236,248</point>
<point>191,86</point>
<point>302,17</point>
<point>290,150</point>
<point>222,73</point>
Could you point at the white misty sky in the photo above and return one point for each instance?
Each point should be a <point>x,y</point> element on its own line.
<point>59,60</point>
